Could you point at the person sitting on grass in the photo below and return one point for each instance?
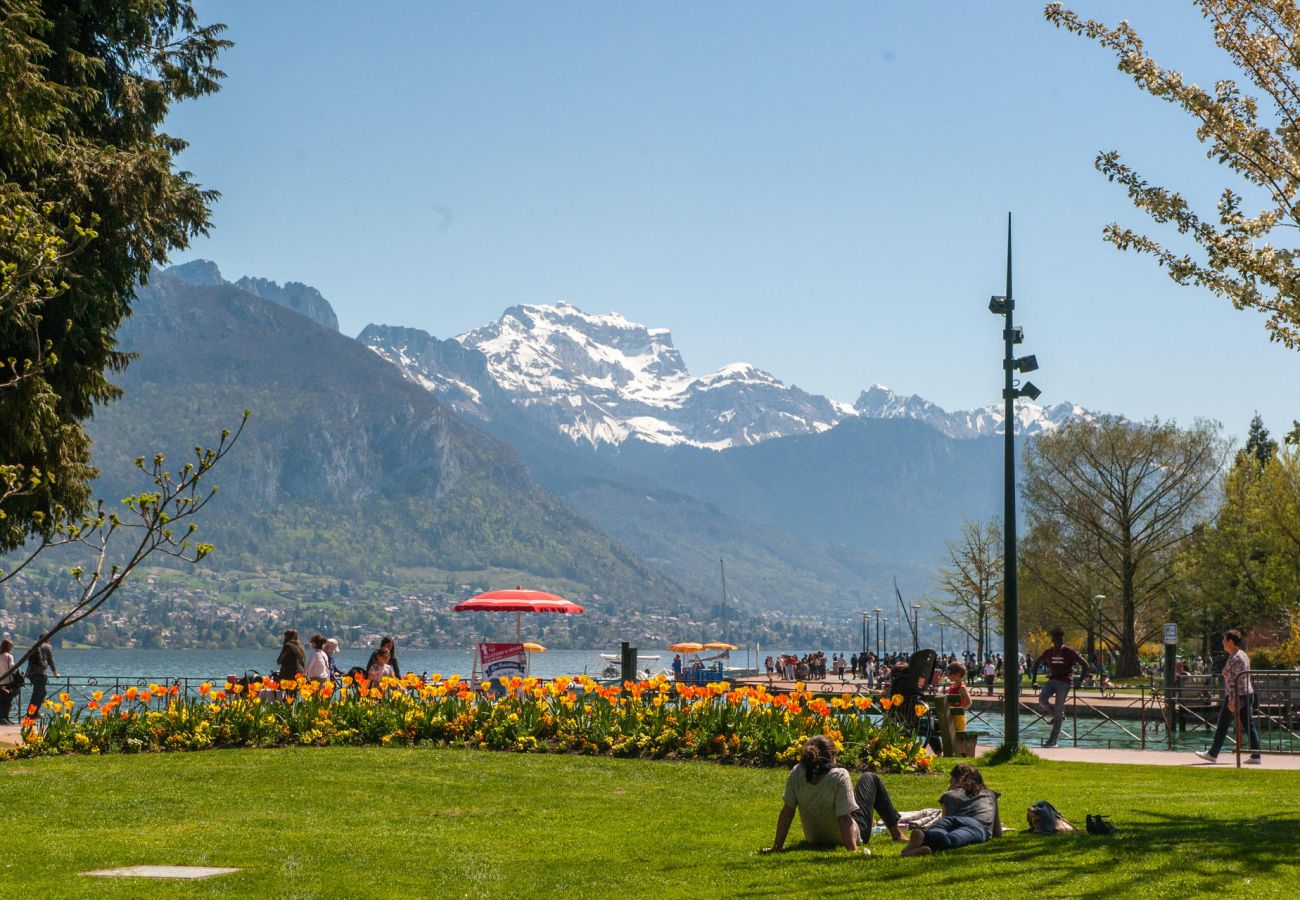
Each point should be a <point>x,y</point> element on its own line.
<point>970,815</point>
<point>833,812</point>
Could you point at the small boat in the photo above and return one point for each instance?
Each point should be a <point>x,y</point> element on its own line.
<point>613,667</point>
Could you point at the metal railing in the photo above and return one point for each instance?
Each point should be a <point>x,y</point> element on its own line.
<point>81,688</point>
<point>1138,717</point>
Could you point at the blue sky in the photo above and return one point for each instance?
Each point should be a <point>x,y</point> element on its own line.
<point>820,190</point>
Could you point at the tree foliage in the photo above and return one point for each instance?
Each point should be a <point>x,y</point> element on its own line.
<point>971,582</point>
<point>1245,255</point>
<point>89,202</point>
<point>1243,568</point>
<point>1110,505</point>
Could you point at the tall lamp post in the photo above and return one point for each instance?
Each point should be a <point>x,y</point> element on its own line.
<point>877,611</point>
<point>1097,601</point>
<point>916,627</point>
<point>1011,336</point>
<point>865,616</point>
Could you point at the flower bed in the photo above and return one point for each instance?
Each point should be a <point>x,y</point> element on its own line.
<point>650,719</point>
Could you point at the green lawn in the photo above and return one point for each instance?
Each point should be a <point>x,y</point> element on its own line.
<point>422,823</point>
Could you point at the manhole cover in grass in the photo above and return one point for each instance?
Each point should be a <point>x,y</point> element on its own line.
<point>161,872</point>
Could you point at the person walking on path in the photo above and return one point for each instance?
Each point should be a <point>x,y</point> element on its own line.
<point>8,680</point>
<point>1060,661</point>
<point>293,658</point>
<point>318,662</point>
<point>990,673</point>
<point>1238,700</point>
<point>40,665</point>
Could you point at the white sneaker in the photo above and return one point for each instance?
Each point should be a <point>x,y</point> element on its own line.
<point>1207,756</point>
<point>1253,761</point>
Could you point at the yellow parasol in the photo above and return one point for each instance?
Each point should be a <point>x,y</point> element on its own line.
<point>719,645</point>
<point>686,647</point>
<point>534,647</point>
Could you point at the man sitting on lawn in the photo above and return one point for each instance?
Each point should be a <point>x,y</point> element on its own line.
<point>1060,661</point>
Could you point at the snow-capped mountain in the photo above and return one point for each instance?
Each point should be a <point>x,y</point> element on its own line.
<point>879,402</point>
<point>604,379</point>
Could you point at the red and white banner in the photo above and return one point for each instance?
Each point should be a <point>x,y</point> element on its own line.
<point>499,660</point>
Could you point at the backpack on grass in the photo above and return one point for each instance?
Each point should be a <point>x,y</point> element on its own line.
<point>1044,818</point>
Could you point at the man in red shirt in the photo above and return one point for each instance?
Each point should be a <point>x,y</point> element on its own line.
<point>1060,661</point>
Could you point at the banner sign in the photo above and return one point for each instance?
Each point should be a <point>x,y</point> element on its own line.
<point>497,660</point>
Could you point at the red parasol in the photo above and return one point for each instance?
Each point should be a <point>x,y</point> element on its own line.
<point>518,601</point>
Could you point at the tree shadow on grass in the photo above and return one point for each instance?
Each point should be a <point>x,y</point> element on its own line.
<point>1194,853</point>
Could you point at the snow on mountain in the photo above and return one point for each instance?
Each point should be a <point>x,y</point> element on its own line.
<point>604,379</point>
<point>879,402</point>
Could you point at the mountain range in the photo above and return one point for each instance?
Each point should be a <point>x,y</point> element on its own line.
<point>602,379</point>
<point>345,467</point>
<point>554,446</point>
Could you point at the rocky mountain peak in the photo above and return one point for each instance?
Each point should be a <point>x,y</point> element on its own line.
<point>879,402</point>
<point>605,379</point>
<point>301,298</point>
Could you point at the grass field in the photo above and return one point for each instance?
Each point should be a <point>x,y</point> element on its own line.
<point>433,823</point>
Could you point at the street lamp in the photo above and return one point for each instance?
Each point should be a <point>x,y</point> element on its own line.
<point>1097,601</point>
<point>865,615</point>
<point>916,626</point>
<point>1011,336</point>
<point>982,640</point>
<point>878,611</point>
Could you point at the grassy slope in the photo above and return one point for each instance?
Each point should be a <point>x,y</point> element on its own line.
<point>449,823</point>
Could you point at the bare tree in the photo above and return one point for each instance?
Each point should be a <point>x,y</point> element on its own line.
<point>1110,503</point>
<point>972,581</point>
<point>157,522</point>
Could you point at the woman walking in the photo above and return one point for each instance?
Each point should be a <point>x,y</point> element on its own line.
<point>1238,700</point>
<point>293,658</point>
<point>9,682</point>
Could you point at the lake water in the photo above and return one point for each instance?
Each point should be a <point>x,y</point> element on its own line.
<point>160,664</point>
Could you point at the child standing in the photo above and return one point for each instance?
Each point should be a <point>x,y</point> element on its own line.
<point>958,695</point>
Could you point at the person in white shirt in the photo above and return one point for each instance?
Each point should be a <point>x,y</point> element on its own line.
<point>8,680</point>
<point>318,662</point>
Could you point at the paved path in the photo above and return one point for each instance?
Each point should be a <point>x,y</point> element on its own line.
<point>9,734</point>
<point>1161,758</point>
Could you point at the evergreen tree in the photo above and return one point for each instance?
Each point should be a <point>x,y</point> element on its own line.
<point>1260,448</point>
<point>89,203</point>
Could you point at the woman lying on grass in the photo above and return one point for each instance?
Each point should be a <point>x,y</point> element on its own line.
<point>970,815</point>
<point>832,810</point>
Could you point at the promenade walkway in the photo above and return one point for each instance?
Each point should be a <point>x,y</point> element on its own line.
<point>1161,758</point>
